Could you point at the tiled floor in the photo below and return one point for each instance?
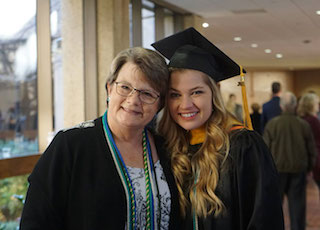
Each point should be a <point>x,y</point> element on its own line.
<point>313,208</point>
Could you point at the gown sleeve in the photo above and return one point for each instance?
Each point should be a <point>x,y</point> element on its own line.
<point>47,194</point>
<point>255,183</point>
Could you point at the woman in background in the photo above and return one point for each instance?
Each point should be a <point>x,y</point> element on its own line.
<point>225,173</point>
<point>308,109</point>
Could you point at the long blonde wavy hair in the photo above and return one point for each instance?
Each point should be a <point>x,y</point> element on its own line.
<point>197,177</point>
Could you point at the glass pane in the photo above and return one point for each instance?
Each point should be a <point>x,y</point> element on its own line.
<point>18,78</point>
<point>168,23</point>
<point>148,28</point>
<point>56,59</point>
<point>13,191</point>
<point>130,25</point>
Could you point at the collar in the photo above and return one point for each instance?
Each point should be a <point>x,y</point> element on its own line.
<point>197,135</point>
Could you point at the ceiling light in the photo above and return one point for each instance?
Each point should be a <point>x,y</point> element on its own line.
<point>267,51</point>
<point>318,12</point>
<point>254,45</point>
<point>205,25</point>
<point>279,56</point>
<point>237,39</point>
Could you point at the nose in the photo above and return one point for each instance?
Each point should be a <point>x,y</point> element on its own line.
<point>186,102</point>
<point>133,97</point>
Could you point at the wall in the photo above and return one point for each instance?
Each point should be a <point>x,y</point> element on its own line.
<point>258,85</point>
<point>307,80</point>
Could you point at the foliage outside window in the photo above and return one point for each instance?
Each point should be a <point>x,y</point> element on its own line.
<point>12,195</point>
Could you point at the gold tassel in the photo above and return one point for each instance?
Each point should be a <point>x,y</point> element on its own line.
<point>246,115</point>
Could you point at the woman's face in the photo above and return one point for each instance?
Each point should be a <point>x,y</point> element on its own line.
<point>129,111</point>
<point>190,99</point>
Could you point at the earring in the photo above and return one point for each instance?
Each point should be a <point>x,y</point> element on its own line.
<point>108,99</point>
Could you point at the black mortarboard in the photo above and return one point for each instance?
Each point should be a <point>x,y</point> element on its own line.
<point>188,49</point>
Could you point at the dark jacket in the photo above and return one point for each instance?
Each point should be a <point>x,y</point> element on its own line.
<point>270,110</point>
<point>291,143</point>
<point>314,123</point>
<point>256,121</point>
<point>75,184</point>
<point>248,187</point>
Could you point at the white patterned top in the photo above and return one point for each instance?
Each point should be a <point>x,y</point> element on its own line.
<point>139,186</point>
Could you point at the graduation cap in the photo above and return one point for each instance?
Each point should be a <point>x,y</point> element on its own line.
<point>189,49</point>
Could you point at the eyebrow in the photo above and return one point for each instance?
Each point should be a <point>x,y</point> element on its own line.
<point>194,88</point>
<point>146,90</point>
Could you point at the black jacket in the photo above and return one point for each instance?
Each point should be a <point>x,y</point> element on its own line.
<point>248,187</point>
<point>75,184</point>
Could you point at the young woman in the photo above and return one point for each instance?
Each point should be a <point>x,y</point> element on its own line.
<point>225,174</point>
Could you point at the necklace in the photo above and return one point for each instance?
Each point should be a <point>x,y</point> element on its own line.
<point>152,189</point>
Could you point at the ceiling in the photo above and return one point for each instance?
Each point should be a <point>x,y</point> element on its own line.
<point>288,27</point>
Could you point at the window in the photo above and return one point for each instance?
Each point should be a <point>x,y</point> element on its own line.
<point>18,79</point>
<point>150,22</point>
<point>56,61</point>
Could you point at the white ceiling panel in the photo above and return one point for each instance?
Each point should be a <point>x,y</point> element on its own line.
<point>289,27</point>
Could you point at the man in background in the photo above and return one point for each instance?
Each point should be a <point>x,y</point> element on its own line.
<point>291,143</point>
<point>271,108</point>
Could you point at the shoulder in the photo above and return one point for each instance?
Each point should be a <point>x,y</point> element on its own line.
<point>273,121</point>
<point>76,139</point>
<point>85,126</point>
<point>249,152</point>
<point>244,136</point>
<point>302,121</point>
<point>247,144</point>
<point>82,132</point>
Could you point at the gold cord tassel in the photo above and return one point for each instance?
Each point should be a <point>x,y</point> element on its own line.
<point>246,115</point>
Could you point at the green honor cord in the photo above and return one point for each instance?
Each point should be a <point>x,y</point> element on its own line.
<point>194,215</point>
<point>126,180</point>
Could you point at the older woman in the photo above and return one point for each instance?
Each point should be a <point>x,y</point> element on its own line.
<point>110,173</point>
<point>308,108</point>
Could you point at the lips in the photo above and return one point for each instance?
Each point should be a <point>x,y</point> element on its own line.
<point>131,111</point>
<point>188,115</point>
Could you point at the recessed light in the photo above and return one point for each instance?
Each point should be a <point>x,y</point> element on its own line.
<point>237,39</point>
<point>267,51</point>
<point>254,45</point>
<point>318,12</point>
<point>205,25</point>
<point>279,56</point>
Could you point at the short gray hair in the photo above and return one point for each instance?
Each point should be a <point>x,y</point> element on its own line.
<point>151,64</point>
<point>288,102</point>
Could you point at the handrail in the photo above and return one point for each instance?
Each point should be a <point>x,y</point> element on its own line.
<point>17,166</point>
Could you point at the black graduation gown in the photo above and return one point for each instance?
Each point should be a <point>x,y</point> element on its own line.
<point>75,184</point>
<point>248,187</point>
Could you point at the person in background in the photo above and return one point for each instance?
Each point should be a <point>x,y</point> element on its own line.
<point>292,146</point>
<point>225,173</point>
<point>256,117</point>
<point>271,108</point>
<point>12,118</point>
<point>234,108</point>
<point>110,173</point>
<point>1,120</point>
<point>307,109</point>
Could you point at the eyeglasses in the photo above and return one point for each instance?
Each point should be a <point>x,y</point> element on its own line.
<point>145,96</point>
